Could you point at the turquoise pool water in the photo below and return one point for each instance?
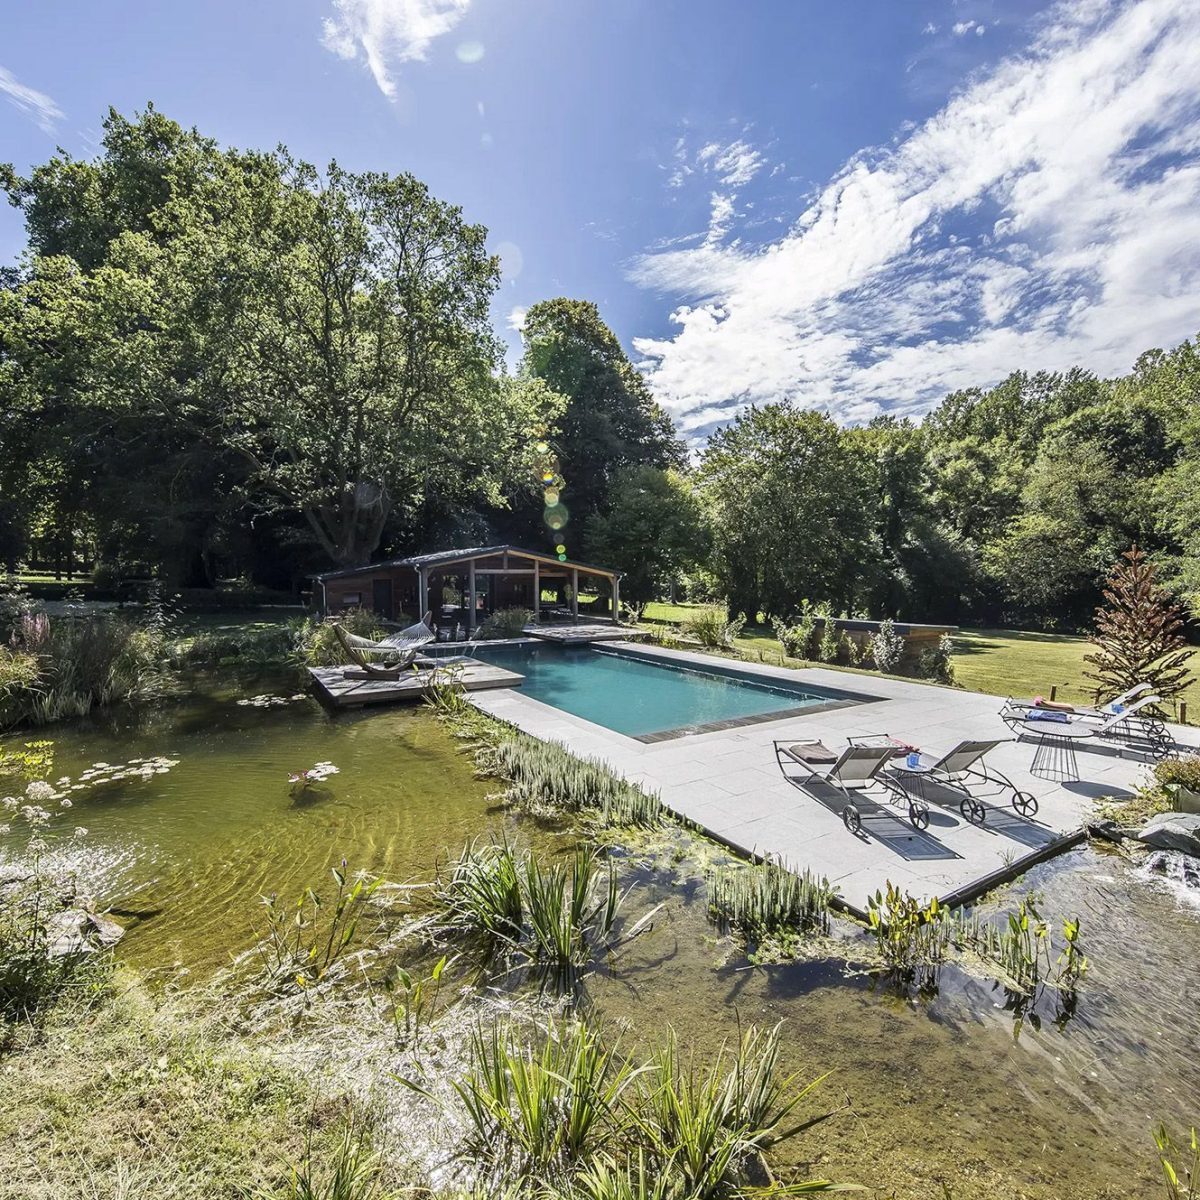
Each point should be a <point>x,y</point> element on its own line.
<point>637,697</point>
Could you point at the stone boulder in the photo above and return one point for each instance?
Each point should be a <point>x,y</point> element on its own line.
<point>1173,831</point>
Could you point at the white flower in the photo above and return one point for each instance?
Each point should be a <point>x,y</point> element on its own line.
<point>39,790</point>
<point>80,831</point>
<point>65,803</point>
<point>5,829</point>
<point>10,802</point>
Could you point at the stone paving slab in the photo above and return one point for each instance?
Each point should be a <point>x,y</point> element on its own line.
<point>729,783</point>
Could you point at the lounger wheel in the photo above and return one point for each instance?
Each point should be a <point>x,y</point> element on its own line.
<point>852,818</point>
<point>918,814</point>
<point>1025,803</point>
<point>973,810</point>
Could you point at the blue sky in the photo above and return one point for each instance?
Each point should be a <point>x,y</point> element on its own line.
<point>857,206</point>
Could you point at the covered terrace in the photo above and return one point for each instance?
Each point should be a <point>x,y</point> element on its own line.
<point>464,587</point>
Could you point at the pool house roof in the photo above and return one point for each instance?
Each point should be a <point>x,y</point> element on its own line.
<point>448,558</point>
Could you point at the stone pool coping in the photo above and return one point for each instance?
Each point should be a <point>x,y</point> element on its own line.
<point>727,782</point>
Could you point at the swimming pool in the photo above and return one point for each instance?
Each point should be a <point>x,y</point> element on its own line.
<point>649,700</point>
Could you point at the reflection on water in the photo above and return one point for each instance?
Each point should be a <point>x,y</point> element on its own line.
<point>950,1088</point>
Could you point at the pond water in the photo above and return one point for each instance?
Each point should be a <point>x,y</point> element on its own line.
<point>192,851</point>
<point>951,1087</point>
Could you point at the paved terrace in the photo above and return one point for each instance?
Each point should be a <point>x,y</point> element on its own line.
<point>727,781</point>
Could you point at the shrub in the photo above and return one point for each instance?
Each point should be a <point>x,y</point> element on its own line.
<point>830,646</point>
<point>887,647</point>
<point>258,644</point>
<point>1179,772</point>
<point>711,626</point>
<point>505,623</point>
<point>316,644</point>
<point>796,638</point>
<point>935,662</point>
<point>82,662</point>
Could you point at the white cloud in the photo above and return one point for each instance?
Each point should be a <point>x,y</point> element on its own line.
<point>735,164</point>
<point>34,104</point>
<point>516,317</point>
<point>385,32</point>
<point>1048,215</point>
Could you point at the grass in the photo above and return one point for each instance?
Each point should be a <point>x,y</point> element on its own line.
<point>122,1096</point>
<point>999,662</point>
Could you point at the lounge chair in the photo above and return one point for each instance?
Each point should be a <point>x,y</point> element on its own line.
<point>1102,712</point>
<point>1133,723</point>
<point>398,651</point>
<point>954,770</point>
<point>855,769</point>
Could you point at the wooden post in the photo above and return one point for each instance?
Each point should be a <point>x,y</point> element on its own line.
<point>575,594</point>
<point>537,591</point>
<point>616,582</point>
<point>471,601</point>
<point>1183,712</point>
<point>1053,692</point>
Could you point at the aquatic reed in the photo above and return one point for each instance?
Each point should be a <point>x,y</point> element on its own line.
<point>413,1000</point>
<point>573,1118</point>
<point>553,916</point>
<point>766,898</point>
<point>1180,1164</point>
<point>307,940</point>
<point>910,936</point>
<point>540,1113</point>
<point>66,666</point>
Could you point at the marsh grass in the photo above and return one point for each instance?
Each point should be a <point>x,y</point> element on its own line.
<point>350,1169</point>
<point>62,667</point>
<point>555,917</point>
<point>541,1112</point>
<point>308,939</point>
<point>570,1117</point>
<point>767,900</point>
<point>544,779</point>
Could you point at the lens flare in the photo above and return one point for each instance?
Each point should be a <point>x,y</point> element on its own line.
<point>560,549</point>
<point>547,476</point>
<point>556,516</point>
<point>551,497</point>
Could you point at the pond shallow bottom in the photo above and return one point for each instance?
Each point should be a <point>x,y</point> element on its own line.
<point>193,851</point>
<point>948,1090</point>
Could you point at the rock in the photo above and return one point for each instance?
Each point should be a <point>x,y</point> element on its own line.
<point>77,931</point>
<point>1109,831</point>
<point>1174,831</point>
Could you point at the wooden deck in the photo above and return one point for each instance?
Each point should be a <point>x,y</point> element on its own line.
<point>336,689</point>
<point>583,634</point>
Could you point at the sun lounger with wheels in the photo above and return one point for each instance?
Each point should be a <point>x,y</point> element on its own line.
<point>855,769</point>
<point>961,771</point>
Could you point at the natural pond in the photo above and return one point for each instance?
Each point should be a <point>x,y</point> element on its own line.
<point>951,1087</point>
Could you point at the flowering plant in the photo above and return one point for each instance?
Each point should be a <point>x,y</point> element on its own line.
<point>317,773</point>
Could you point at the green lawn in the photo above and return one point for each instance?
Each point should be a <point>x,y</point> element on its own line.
<point>1002,662</point>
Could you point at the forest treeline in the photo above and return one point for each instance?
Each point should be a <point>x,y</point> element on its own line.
<point>221,364</point>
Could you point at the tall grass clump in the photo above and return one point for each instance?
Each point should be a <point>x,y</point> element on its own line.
<point>540,1113</point>
<point>62,667</point>
<point>566,1116</point>
<point>504,623</point>
<point>352,1169</point>
<point>707,1126</point>
<point>556,917</point>
<point>767,900</point>
<point>545,779</point>
<point>316,645</point>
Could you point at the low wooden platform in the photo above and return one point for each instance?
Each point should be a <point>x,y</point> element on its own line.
<point>582,635</point>
<point>336,690</point>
